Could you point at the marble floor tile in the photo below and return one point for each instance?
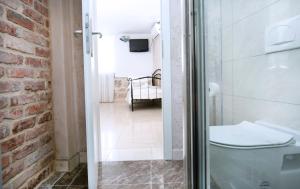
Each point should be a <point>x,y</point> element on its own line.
<point>168,186</point>
<point>76,179</point>
<point>131,172</point>
<point>167,172</point>
<point>130,186</point>
<point>52,180</point>
<point>81,179</point>
<point>67,178</point>
<point>151,174</point>
<point>130,136</point>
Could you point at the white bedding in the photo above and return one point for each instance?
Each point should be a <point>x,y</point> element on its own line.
<point>144,92</point>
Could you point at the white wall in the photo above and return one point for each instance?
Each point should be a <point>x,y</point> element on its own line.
<point>115,57</point>
<point>213,57</point>
<point>156,48</point>
<point>258,86</point>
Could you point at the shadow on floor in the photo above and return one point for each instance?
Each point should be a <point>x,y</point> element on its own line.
<point>76,179</point>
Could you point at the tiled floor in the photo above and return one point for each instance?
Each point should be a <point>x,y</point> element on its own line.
<point>157,174</point>
<point>127,135</point>
<point>73,180</point>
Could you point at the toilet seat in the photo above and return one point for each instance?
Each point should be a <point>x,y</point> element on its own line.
<point>247,135</point>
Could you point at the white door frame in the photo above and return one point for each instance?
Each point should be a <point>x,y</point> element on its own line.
<point>166,79</point>
<point>91,75</point>
<point>91,92</point>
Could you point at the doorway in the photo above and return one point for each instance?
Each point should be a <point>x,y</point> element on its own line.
<point>139,142</point>
<point>166,169</point>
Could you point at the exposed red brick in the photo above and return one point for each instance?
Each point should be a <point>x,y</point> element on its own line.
<point>12,143</point>
<point>1,42</point>
<point>4,131</point>
<point>34,15</point>
<point>2,72</point>
<point>14,113</point>
<point>46,63</point>
<point>3,102</point>
<point>1,10</point>
<point>22,125</point>
<point>47,160</point>
<point>7,28</point>
<point>34,85</point>
<point>40,8</point>
<point>47,23</point>
<point>37,131</point>
<point>44,75</point>
<point>14,4</point>
<point>45,139</point>
<point>25,102</point>
<point>23,152</point>
<point>5,160</point>
<point>9,58</point>
<point>25,176</point>
<point>45,96</point>
<point>19,72</point>
<point>9,86</point>
<point>22,99</point>
<point>42,52</point>
<point>35,109</point>
<point>28,2</point>
<point>19,44</point>
<point>49,84</point>
<point>25,186</point>
<point>34,181</point>
<point>44,2</point>
<point>12,171</point>
<point>41,30</point>
<point>45,117</point>
<point>32,37</point>
<point>34,62</point>
<point>19,19</point>
<point>2,116</point>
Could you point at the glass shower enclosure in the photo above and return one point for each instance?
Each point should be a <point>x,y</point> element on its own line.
<point>245,93</point>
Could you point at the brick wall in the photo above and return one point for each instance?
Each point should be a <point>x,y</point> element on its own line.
<point>26,127</point>
<point>121,89</point>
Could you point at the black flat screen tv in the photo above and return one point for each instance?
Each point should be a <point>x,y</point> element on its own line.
<point>138,45</point>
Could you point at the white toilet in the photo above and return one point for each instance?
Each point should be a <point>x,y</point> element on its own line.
<point>255,156</point>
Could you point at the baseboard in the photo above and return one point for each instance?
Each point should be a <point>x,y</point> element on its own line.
<point>67,165</point>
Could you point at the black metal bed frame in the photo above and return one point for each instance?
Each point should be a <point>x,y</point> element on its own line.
<point>155,76</point>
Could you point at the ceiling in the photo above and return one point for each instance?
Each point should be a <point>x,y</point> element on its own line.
<point>128,16</point>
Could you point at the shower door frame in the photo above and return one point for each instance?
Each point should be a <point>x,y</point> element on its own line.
<point>197,131</point>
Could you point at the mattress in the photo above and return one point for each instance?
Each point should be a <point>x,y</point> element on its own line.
<point>144,93</point>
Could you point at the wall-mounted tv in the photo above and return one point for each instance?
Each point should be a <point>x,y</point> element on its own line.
<point>138,45</point>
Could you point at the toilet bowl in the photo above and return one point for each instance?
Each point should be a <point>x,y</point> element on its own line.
<point>255,156</point>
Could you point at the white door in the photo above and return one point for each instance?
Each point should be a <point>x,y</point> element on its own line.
<point>91,91</point>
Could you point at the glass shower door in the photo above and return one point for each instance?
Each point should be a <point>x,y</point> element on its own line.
<point>245,89</point>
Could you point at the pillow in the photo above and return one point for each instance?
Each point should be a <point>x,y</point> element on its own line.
<point>141,82</point>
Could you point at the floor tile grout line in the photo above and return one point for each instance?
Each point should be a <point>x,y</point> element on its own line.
<point>81,169</point>
<point>61,175</point>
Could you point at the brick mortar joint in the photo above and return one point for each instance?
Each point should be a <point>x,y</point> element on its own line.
<point>26,144</point>
<point>31,166</point>
<point>24,55</point>
<point>22,8</point>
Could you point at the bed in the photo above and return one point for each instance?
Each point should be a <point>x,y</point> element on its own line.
<point>144,89</point>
